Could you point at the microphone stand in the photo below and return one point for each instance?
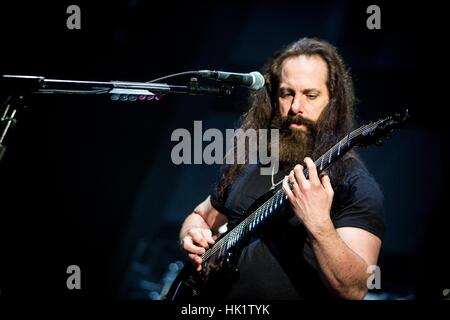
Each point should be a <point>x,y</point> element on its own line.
<point>118,90</point>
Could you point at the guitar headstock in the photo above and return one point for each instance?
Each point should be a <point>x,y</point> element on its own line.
<point>375,132</point>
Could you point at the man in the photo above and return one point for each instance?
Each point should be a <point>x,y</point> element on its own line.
<point>326,249</point>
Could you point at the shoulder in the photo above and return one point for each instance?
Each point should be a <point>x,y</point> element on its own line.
<point>359,201</point>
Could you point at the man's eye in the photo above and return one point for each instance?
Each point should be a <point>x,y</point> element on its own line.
<point>311,96</point>
<point>285,94</point>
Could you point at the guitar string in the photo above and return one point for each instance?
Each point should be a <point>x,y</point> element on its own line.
<point>243,224</point>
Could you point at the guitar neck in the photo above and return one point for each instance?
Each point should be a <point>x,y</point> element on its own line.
<point>272,206</point>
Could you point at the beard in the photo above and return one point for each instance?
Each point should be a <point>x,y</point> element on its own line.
<point>294,143</point>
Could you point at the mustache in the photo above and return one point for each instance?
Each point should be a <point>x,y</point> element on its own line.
<point>299,120</point>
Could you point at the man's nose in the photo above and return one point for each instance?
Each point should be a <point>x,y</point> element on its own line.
<point>297,106</point>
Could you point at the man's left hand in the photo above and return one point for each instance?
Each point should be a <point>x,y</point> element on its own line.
<point>311,198</point>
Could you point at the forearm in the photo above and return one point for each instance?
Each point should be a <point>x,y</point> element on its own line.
<point>343,270</point>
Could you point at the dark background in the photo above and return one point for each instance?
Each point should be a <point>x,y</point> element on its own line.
<point>89,181</point>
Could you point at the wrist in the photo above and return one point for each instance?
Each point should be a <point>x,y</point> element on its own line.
<point>320,228</point>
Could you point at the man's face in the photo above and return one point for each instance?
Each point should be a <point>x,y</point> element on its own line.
<point>303,92</point>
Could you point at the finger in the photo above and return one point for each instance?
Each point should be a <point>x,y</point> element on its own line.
<point>327,184</point>
<point>189,246</point>
<point>208,236</point>
<point>303,184</point>
<point>197,261</point>
<point>312,172</point>
<point>294,186</point>
<point>195,258</point>
<point>215,237</point>
<point>287,190</point>
<point>198,239</point>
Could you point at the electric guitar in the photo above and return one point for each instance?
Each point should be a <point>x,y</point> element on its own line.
<point>219,263</point>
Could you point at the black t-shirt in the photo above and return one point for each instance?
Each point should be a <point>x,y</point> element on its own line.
<point>280,264</point>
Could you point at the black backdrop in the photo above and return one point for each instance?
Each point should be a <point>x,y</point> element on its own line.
<point>89,181</point>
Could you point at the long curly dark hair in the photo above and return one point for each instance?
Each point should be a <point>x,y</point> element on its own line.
<point>336,120</point>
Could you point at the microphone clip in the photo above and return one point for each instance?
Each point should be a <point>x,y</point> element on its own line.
<point>224,89</point>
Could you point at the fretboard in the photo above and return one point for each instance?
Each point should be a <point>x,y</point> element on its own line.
<point>272,206</point>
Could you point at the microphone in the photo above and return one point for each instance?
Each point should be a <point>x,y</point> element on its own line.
<point>253,80</point>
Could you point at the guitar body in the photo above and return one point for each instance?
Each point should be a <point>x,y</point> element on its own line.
<point>191,285</point>
<point>218,274</point>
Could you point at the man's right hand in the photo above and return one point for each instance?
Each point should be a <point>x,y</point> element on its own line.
<point>195,243</point>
